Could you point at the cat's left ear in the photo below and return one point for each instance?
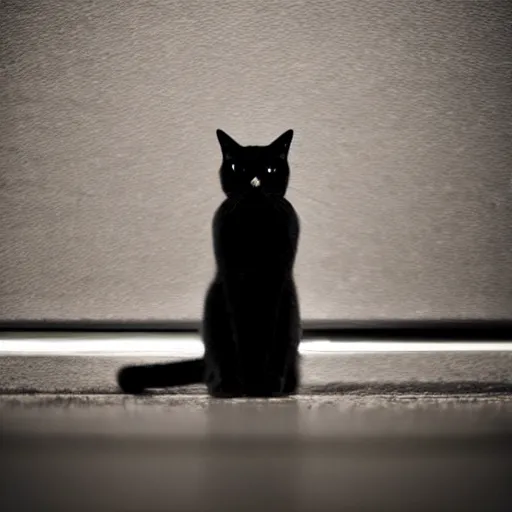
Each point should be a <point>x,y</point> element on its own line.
<point>228,145</point>
<point>282,144</point>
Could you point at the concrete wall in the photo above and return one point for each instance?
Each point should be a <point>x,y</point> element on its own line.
<point>401,161</point>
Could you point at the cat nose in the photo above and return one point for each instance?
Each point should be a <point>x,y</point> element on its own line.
<point>255,182</point>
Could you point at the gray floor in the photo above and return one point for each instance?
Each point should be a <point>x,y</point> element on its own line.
<point>429,431</point>
<point>357,372</point>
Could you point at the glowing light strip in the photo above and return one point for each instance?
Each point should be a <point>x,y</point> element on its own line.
<point>191,346</point>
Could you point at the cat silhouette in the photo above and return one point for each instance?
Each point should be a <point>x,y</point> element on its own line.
<point>251,318</point>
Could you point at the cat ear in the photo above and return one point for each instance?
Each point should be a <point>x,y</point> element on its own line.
<point>227,144</point>
<point>282,144</point>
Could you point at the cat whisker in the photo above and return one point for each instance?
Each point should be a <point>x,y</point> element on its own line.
<point>236,203</point>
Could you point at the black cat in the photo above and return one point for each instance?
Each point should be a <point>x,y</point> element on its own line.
<point>251,322</point>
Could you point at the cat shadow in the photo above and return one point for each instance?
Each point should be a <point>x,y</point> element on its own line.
<point>359,389</point>
<point>408,388</point>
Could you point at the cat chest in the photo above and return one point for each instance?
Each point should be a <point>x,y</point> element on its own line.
<point>259,233</point>
<point>254,242</point>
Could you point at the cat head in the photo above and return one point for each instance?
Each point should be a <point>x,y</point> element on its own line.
<point>254,169</point>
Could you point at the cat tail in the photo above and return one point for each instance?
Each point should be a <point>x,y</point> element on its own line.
<point>136,379</point>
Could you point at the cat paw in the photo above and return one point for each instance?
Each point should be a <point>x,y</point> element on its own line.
<point>275,384</point>
<point>267,389</point>
<point>226,389</point>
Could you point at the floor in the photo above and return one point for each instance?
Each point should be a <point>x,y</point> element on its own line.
<point>371,430</point>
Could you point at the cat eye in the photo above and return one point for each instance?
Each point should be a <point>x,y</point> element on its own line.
<point>271,170</point>
<point>233,166</point>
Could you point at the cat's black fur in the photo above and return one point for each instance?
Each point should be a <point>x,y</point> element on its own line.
<point>251,321</point>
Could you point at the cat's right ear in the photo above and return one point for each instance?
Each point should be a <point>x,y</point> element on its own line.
<point>228,145</point>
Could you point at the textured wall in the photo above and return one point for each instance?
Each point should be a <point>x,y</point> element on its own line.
<point>401,161</point>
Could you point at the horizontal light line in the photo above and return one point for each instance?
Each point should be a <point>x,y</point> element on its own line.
<point>191,346</point>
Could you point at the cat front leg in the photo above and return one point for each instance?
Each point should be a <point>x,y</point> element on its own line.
<point>282,372</point>
<point>221,368</point>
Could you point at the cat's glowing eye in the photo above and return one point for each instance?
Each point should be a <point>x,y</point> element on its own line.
<point>233,166</point>
<point>270,170</point>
